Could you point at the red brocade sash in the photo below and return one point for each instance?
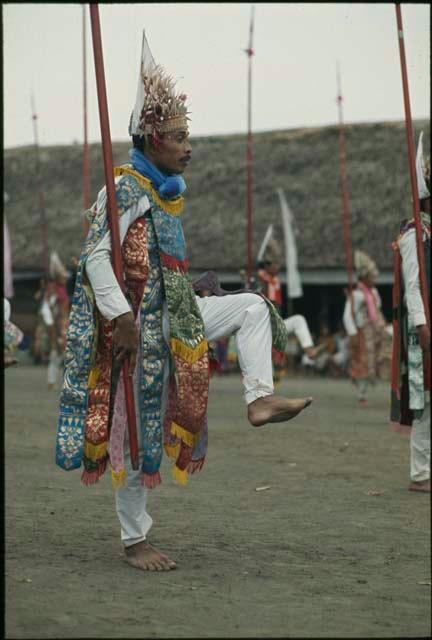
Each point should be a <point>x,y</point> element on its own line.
<point>98,419</point>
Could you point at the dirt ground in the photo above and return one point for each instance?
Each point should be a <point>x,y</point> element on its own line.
<point>336,547</point>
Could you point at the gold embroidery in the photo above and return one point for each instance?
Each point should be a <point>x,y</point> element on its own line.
<point>95,451</point>
<point>173,207</point>
<point>118,478</point>
<point>93,377</point>
<point>180,475</point>
<point>186,436</point>
<point>186,353</point>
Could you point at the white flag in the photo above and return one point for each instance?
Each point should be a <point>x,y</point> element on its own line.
<point>267,237</point>
<point>423,191</point>
<point>294,287</point>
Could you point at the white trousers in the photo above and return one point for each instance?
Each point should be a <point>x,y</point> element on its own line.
<point>131,502</point>
<point>297,324</point>
<point>362,387</point>
<point>246,315</point>
<point>420,447</point>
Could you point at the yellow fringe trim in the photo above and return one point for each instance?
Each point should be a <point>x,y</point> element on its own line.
<point>93,378</point>
<point>180,476</point>
<point>188,438</point>
<point>172,450</point>
<point>95,451</point>
<point>118,478</point>
<point>173,207</point>
<point>186,353</point>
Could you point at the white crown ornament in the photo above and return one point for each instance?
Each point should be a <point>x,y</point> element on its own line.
<point>158,107</point>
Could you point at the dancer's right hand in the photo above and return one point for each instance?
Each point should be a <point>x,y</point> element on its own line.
<point>125,340</point>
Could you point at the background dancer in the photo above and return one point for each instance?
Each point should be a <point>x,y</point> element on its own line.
<point>365,325</point>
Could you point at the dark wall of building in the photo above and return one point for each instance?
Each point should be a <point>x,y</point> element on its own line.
<point>323,304</point>
<point>320,304</point>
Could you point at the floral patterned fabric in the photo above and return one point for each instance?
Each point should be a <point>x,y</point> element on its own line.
<point>88,392</point>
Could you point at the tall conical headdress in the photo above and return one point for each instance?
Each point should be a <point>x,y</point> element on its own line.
<point>423,171</point>
<point>158,108</point>
<point>364,264</point>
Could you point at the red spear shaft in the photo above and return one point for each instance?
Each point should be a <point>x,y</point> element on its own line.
<point>42,213</point>
<point>86,174</point>
<point>345,199</point>
<point>112,212</point>
<point>414,186</point>
<point>249,157</point>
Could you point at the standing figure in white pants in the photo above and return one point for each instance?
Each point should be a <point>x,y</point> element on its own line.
<point>410,401</point>
<point>298,326</point>
<point>158,325</point>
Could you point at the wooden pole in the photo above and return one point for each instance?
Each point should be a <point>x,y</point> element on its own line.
<point>344,191</point>
<point>413,178</point>
<point>112,213</point>
<point>41,195</point>
<point>86,172</point>
<point>249,157</point>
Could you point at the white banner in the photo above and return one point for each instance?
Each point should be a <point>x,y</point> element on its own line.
<point>267,237</point>
<point>294,287</point>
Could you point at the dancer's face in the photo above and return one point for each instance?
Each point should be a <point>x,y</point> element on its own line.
<point>174,152</point>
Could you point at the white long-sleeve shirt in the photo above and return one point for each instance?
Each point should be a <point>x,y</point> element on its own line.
<point>110,299</point>
<point>360,311</point>
<point>410,273</point>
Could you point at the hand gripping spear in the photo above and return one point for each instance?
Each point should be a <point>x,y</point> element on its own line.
<point>414,186</point>
<point>112,213</point>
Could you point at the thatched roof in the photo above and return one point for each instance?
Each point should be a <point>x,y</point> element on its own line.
<point>304,162</point>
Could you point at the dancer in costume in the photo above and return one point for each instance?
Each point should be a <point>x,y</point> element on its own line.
<point>160,325</point>
<point>299,327</point>
<point>270,286</point>
<point>40,347</point>
<point>12,336</point>
<point>365,325</point>
<point>267,275</point>
<point>268,282</point>
<point>54,313</point>
<point>410,399</point>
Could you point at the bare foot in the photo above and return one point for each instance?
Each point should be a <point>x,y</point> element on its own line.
<point>143,556</point>
<point>275,409</point>
<point>423,485</point>
<point>313,352</point>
